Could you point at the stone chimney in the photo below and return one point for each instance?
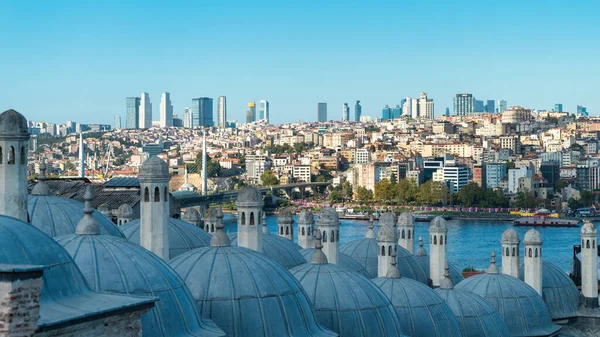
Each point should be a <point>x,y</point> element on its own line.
<point>20,291</point>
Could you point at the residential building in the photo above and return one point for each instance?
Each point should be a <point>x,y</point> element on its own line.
<point>361,156</point>
<point>516,115</point>
<point>345,112</point>
<point>464,104</point>
<point>514,175</point>
<point>322,112</point>
<point>479,175</point>
<point>357,111</point>
<point>455,176</point>
<point>510,142</point>
<point>132,106</point>
<point>256,165</point>
<point>187,117</point>
<point>430,166</point>
<point>550,171</point>
<point>301,173</point>
<point>145,116</point>
<point>166,110</point>
<point>494,174</point>
<point>582,178</point>
<point>222,112</point>
<point>263,110</point>
<point>426,108</point>
<point>202,112</point>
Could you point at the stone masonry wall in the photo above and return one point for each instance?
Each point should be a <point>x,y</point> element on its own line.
<point>19,307</point>
<point>125,325</point>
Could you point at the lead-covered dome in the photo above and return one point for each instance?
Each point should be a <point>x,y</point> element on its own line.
<point>588,228</point>
<point>13,124</point>
<point>345,261</point>
<point>438,223</point>
<point>125,211</point>
<point>532,237</point>
<point>154,168</point>
<point>510,236</point>
<point>183,236</point>
<point>387,219</point>
<point>250,194</point>
<point>328,216</point>
<point>521,307</point>
<point>191,215</point>
<point>558,291</point>
<point>245,293</point>
<point>285,217</point>
<point>387,233</point>
<point>306,217</point>
<point>279,249</point>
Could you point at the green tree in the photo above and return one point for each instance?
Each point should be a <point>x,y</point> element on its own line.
<point>525,199</point>
<point>384,190</point>
<point>347,190</point>
<point>363,194</point>
<point>268,178</point>
<point>587,198</point>
<point>393,179</point>
<point>469,194</point>
<point>560,184</point>
<point>336,194</point>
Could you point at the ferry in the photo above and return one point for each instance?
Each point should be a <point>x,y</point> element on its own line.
<point>545,218</point>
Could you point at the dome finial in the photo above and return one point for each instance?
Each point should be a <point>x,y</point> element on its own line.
<point>318,257</point>
<point>265,229</point>
<point>446,282</point>
<point>493,269</point>
<point>220,239</point>
<point>371,233</point>
<point>88,225</point>
<point>393,272</point>
<point>421,251</point>
<point>41,188</point>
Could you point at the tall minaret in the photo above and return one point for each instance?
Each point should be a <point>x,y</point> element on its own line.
<point>306,226</point>
<point>154,206</point>
<point>406,231</point>
<point>329,226</point>
<point>285,225</point>
<point>438,241</point>
<point>510,252</point>
<point>81,157</point>
<point>533,260</point>
<point>14,141</point>
<point>386,243</point>
<point>204,156</point>
<point>589,264</point>
<point>249,207</point>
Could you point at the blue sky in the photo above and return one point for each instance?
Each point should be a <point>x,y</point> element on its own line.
<point>78,60</point>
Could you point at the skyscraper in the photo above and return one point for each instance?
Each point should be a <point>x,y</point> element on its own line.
<point>447,112</point>
<point>322,112</point>
<point>558,107</point>
<point>249,117</point>
<point>582,111</point>
<point>132,106</point>
<point>263,109</point>
<point>357,111</point>
<point>479,106</point>
<point>345,112</point>
<point>222,112</point>
<point>252,109</point>
<point>502,106</point>
<point>145,121</point>
<point>202,112</point>
<point>426,108</point>
<point>117,122</point>
<point>386,113</point>
<point>396,112</point>
<point>464,104</point>
<point>187,117</point>
<point>166,110</point>
<point>490,106</point>
<point>407,107</point>
<point>414,108</point>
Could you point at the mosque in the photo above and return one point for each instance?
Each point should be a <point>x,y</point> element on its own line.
<point>67,269</point>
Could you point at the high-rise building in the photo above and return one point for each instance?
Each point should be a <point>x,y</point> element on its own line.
<point>558,107</point>
<point>222,112</point>
<point>386,113</point>
<point>414,108</point>
<point>187,117</point>
<point>145,121</point>
<point>407,107</point>
<point>202,112</point>
<point>252,109</point>
<point>166,110</point>
<point>132,106</point>
<point>396,112</point>
<point>502,106</point>
<point>357,111</point>
<point>117,122</point>
<point>464,104</point>
<point>490,106</point>
<point>479,106</point>
<point>425,106</point>
<point>263,110</point>
<point>322,112</point>
<point>582,111</point>
<point>447,112</point>
<point>345,112</point>
<point>249,116</point>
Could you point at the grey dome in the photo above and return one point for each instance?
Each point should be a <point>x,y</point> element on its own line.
<point>439,224</point>
<point>104,209</point>
<point>387,219</point>
<point>285,217</point>
<point>532,237</point>
<point>306,217</point>
<point>154,168</point>
<point>346,302</point>
<point>63,284</point>
<point>345,261</point>
<point>183,236</point>
<point>115,265</point>
<point>455,274</point>
<point>13,124</point>
<point>558,291</point>
<point>328,217</point>
<point>125,211</point>
<point>588,228</point>
<point>475,316</point>
<point>279,249</point>
<point>521,307</point>
<point>421,311</point>
<point>387,233</point>
<point>57,216</point>
<point>365,251</point>
<point>249,195</point>
<point>510,236</point>
<point>191,215</point>
<point>406,219</point>
<point>247,294</point>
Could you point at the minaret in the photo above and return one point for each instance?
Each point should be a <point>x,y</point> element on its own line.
<point>589,264</point>
<point>329,226</point>
<point>406,231</point>
<point>249,208</point>
<point>533,260</point>
<point>154,206</point>
<point>370,234</point>
<point>306,227</point>
<point>285,225</point>
<point>510,252</point>
<point>386,244</point>
<point>81,157</point>
<point>204,156</point>
<point>438,241</point>
<point>14,141</point>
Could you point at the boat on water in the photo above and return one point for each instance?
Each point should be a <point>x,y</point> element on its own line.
<point>545,218</point>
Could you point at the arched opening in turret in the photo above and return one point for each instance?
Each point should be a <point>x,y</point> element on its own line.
<point>287,231</point>
<point>252,222</point>
<point>212,228</point>
<point>409,234</point>
<point>382,250</point>
<point>530,252</point>
<point>146,195</point>
<point>156,194</point>
<point>402,234</point>
<point>280,230</point>
<point>332,236</point>
<point>441,239</point>
<point>206,228</point>
<point>337,234</point>
<point>166,194</point>
<point>536,252</point>
<point>593,243</point>
<point>324,236</point>
<point>514,251</point>
<point>11,156</point>
<point>23,155</point>
<point>1,156</point>
<point>390,250</point>
<point>587,244</point>
<point>303,231</point>
<point>435,240</point>
<point>507,252</point>
<point>243,218</point>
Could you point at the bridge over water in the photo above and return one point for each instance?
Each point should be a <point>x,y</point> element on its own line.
<point>191,199</point>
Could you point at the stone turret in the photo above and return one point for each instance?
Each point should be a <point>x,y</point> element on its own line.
<point>533,260</point>
<point>285,225</point>
<point>406,231</point>
<point>306,226</point>
<point>438,240</point>
<point>589,264</point>
<point>329,225</point>
<point>124,214</point>
<point>386,243</point>
<point>510,252</point>
<point>249,206</point>
<point>192,216</point>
